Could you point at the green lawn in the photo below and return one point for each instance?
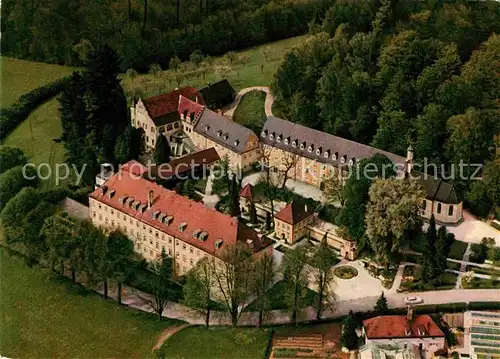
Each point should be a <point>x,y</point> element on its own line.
<point>35,135</point>
<point>220,343</point>
<point>240,76</point>
<point>482,283</point>
<point>20,76</point>
<point>250,111</point>
<point>457,250</point>
<point>277,301</point>
<point>44,316</point>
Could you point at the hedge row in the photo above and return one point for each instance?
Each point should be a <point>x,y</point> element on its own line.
<point>12,116</point>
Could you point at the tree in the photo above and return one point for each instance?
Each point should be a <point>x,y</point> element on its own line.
<point>128,145</point>
<point>288,164</point>
<point>233,274</point>
<point>174,63</point>
<point>266,51</point>
<point>234,197</point>
<point>253,212</point>
<point>323,259</point>
<point>349,338</point>
<point>11,157</point>
<point>381,307</point>
<point>145,18</point>
<point>428,266</point>
<point>231,55</point>
<point>162,150</point>
<point>120,253</point>
<point>132,75</point>
<point>15,179</point>
<point>295,275</point>
<point>198,288</point>
<point>334,188</point>
<point>394,207</point>
<point>264,277</point>
<point>155,70</point>
<point>352,217</point>
<point>269,178</point>
<point>159,285</point>
<point>196,57</point>
<point>223,70</point>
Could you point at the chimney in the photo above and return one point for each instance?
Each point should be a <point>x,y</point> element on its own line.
<point>409,313</point>
<point>150,198</point>
<point>409,159</point>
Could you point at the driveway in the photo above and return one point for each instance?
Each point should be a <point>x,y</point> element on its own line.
<point>472,230</point>
<point>363,285</point>
<point>268,105</point>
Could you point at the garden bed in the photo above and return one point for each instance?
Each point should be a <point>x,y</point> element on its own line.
<point>346,272</point>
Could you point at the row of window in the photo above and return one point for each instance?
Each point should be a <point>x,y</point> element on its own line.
<point>439,208</point>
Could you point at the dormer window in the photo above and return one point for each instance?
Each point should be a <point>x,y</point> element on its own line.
<point>196,233</point>
<point>302,145</point>
<point>271,136</point>
<point>326,154</point>
<point>207,128</point>
<point>343,159</point>
<point>162,216</point>
<point>122,200</point>
<point>226,136</point>
<point>182,226</point>
<point>278,139</point>
<point>310,148</point>
<point>203,236</point>
<point>155,214</point>
<point>218,243</point>
<point>352,161</point>
<point>287,140</point>
<point>168,220</point>
<point>294,143</point>
<point>318,151</point>
<point>111,193</point>
<point>263,133</point>
<point>335,156</point>
<point>236,142</point>
<point>219,133</point>
<point>142,209</point>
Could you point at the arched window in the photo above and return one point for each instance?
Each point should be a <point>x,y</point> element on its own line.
<point>439,208</point>
<point>450,210</point>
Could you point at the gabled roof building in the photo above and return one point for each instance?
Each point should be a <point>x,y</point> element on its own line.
<point>155,218</point>
<point>317,155</point>
<point>421,331</point>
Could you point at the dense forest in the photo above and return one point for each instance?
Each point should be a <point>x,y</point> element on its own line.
<point>145,32</point>
<point>391,73</point>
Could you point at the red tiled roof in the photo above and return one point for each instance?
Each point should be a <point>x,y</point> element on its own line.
<point>188,107</point>
<point>397,326</point>
<point>196,215</point>
<point>293,213</point>
<point>134,167</point>
<point>162,105</point>
<point>246,192</point>
<point>184,164</point>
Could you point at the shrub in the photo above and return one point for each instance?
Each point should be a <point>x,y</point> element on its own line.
<point>12,116</point>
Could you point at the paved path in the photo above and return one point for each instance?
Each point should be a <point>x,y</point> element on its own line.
<point>167,333</point>
<point>75,209</point>
<point>268,105</point>
<point>472,230</point>
<point>395,300</point>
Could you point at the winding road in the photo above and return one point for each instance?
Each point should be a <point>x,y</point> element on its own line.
<point>268,105</point>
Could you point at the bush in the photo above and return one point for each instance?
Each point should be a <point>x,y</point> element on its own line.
<point>13,180</point>
<point>55,195</point>
<point>12,116</point>
<point>11,157</point>
<point>81,195</point>
<point>484,305</point>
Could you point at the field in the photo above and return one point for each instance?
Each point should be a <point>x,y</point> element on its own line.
<point>44,316</point>
<point>35,135</point>
<point>19,76</point>
<point>221,343</point>
<point>256,72</point>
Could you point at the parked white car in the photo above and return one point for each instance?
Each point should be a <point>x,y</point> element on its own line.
<point>413,300</point>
